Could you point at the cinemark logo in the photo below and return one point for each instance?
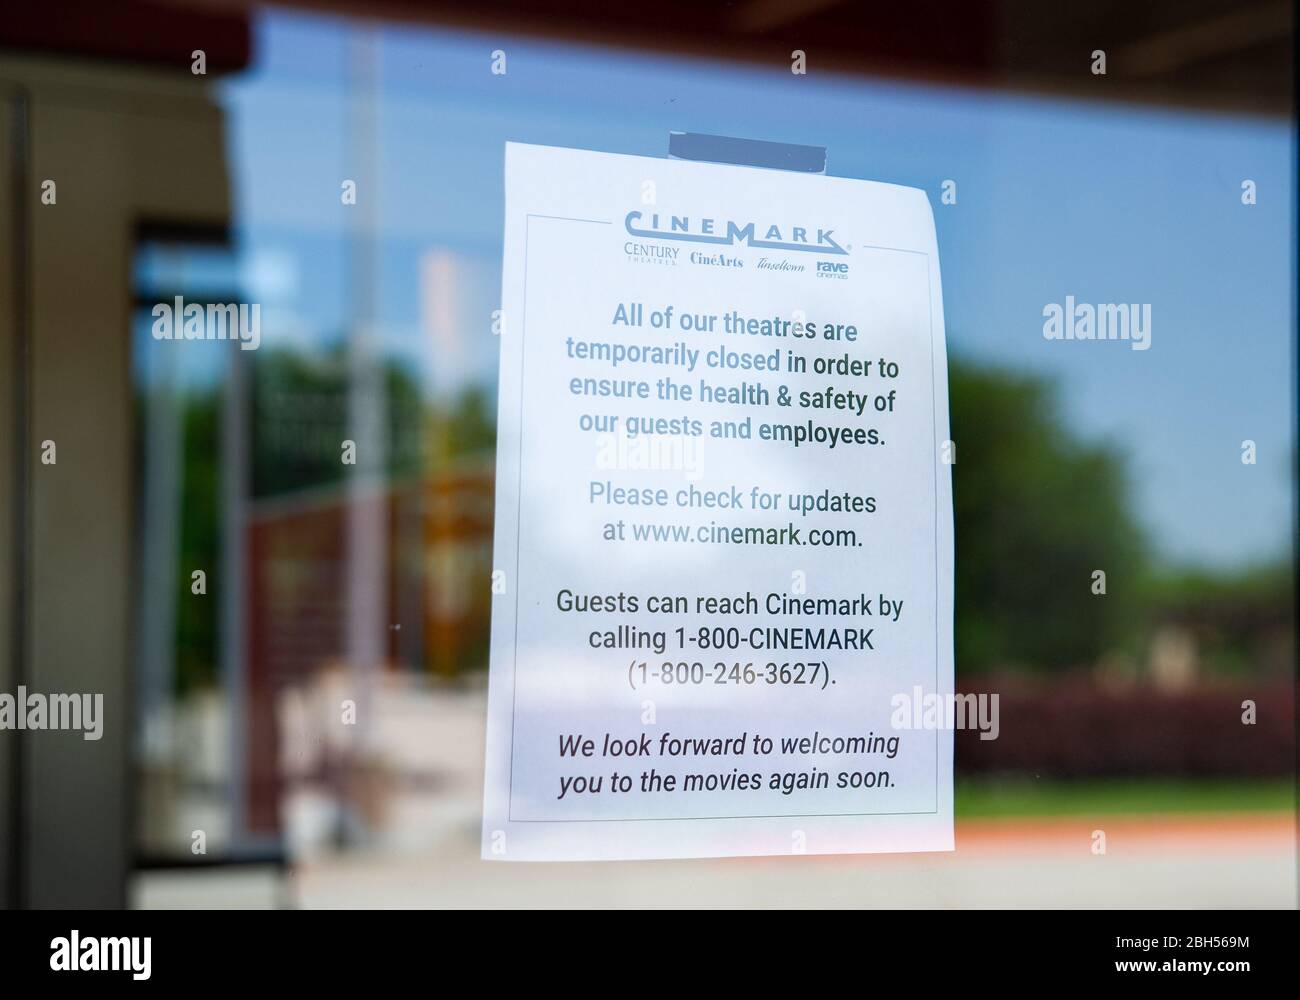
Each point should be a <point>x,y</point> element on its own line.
<point>712,231</point>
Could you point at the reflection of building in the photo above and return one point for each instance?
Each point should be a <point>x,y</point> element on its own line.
<point>439,532</point>
<point>458,566</point>
<point>1225,629</point>
<point>95,152</point>
<point>1263,626</point>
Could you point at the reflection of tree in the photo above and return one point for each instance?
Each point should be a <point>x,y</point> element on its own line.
<point>464,427</point>
<point>196,624</point>
<point>300,419</point>
<point>1037,512</point>
<point>200,527</point>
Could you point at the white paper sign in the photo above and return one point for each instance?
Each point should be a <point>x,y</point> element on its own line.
<point>722,613</point>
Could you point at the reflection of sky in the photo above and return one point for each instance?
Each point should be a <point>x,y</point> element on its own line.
<point>1103,202</point>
